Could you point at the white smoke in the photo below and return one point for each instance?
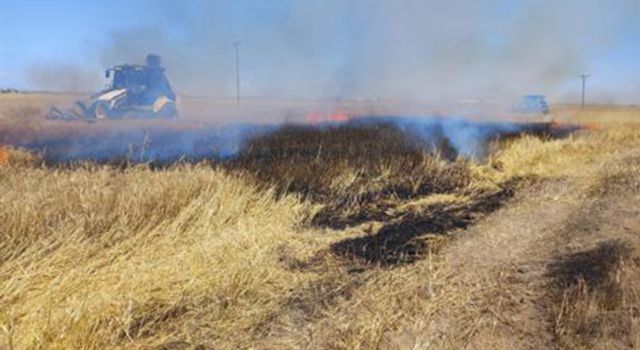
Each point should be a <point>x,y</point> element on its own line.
<point>429,51</point>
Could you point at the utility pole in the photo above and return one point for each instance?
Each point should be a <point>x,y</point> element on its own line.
<point>584,80</point>
<point>236,47</point>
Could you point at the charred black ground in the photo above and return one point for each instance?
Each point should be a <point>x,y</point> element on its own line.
<point>165,143</point>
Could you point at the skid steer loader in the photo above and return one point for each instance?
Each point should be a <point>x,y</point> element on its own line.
<point>135,91</point>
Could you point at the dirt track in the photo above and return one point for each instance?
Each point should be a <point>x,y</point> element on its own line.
<point>505,268</point>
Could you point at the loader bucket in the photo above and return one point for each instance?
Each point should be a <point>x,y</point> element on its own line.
<point>78,111</point>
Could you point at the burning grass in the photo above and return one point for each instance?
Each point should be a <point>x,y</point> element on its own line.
<point>4,156</point>
<point>162,143</point>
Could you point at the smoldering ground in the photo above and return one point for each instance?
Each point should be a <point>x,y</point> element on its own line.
<point>167,142</point>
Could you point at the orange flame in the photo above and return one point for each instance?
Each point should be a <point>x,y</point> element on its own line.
<point>4,156</point>
<point>319,117</point>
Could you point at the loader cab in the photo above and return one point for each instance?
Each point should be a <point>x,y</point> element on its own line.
<point>127,77</point>
<point>144,84</point>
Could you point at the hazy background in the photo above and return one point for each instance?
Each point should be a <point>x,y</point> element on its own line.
<point>428,51</point>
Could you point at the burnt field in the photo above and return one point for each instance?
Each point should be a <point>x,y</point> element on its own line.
<point>162,143</point>
<point>376,232</point>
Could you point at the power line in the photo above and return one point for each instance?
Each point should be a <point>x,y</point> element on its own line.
<point>584,81</point>
<point>236,47</point>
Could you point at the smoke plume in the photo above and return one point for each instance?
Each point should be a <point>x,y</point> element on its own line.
<point>437,52</point>
<point>62,77</point>
<point>431,51</point>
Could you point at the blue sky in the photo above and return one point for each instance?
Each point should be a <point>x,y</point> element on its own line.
<point>333,48</point>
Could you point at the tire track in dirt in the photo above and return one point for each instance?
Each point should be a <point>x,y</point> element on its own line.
<point>502,264</point>
<point>593,298</point>
<point>500,276</point>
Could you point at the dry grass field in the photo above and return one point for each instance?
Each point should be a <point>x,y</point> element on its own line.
<point>351,237</point>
